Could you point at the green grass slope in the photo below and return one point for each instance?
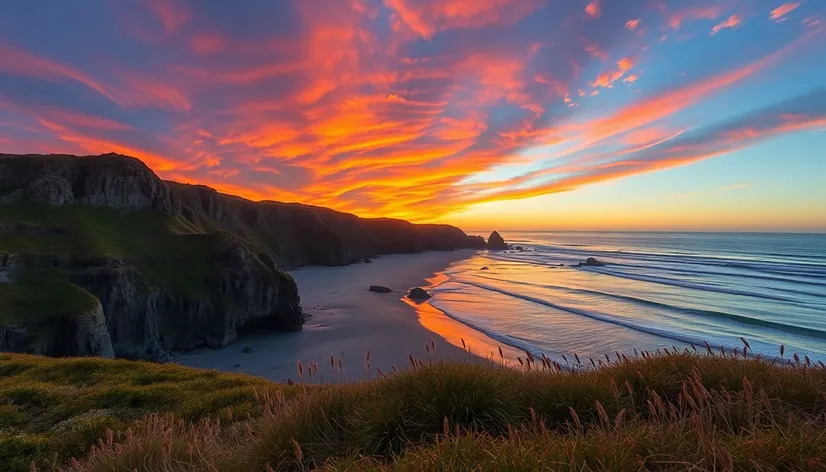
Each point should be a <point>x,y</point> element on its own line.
<point>43,294</point>
<point>54,409</point>
<point>166,251</point>
<point>674,412</point>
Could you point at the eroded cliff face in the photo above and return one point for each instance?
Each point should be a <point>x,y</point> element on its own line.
<point>238,248</point>
<point>146,320</point>
<point>61,334</point>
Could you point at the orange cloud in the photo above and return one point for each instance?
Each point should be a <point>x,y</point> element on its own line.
<point>632,25</point>
<point>668,156</point>
<point>644,136</point>
<point>427,17</point>
<point>97,145</point>
<point>697,13</point>
<point>668,103</point>
<point>593,9</point>
<point>388,154</point>
<point>731,22</point>
<point>607,79</point>
<point>779,13</point>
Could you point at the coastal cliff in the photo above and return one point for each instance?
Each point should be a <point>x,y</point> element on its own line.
<point>297,235</point>
<point>99,256</point>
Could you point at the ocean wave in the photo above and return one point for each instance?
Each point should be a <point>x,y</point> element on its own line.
<point>612,270</point>
<point>799,269</point>
<point>722,276</point>
<point>503,338</point>
<point>768,278</point>
<point>592,314</point>
<point>676,269</point>
<point>633,258</point>
<point>689,285</point>
<point>747,320</point>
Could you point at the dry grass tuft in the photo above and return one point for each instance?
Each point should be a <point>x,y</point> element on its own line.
<point>675,411</point>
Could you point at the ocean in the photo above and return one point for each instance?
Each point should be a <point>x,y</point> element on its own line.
<point>657,290</point>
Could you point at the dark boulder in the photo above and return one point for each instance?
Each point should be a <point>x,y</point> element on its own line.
<point>495,242</point>
<point>379,289</point>
<point>592,262</point>
<point>418,293</point>
<point>367,260</point>
<point>484,268</point>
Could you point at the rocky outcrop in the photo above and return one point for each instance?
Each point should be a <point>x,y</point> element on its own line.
<point>83,334</point>
<point>109,180</point>
<point>239,283</point>
<point>418,294</point>
<point>592,262</point>
<point>51,189</point>
<point>150,321</point>
<point>379,289</point>
<point>9,264</point>
<point>496,243</point>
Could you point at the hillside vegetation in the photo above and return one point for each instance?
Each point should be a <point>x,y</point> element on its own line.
<point>668,412</point>
<point>165,250</point>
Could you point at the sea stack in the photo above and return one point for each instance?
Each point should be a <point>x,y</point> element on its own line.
<point>495,242</point>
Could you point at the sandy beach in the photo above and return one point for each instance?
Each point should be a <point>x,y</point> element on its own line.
<point>346,321</point>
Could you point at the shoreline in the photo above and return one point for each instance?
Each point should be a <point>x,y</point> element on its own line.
<point>347,322</point>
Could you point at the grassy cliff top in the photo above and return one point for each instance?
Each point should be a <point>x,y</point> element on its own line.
<point>164,250</point>
<point>674,412</point>
<point>44,295</point>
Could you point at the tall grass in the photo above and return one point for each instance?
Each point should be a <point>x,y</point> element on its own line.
<point>675,411</point>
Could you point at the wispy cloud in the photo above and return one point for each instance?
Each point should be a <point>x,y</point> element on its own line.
<point>779,13</point>
<point>21,63</point>
<point>801,113</point>
<point>731,22</point>
<point>706,12</point>
<point>607,79</point>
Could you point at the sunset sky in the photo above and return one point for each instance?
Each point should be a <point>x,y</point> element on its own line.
<point>518,114</point>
